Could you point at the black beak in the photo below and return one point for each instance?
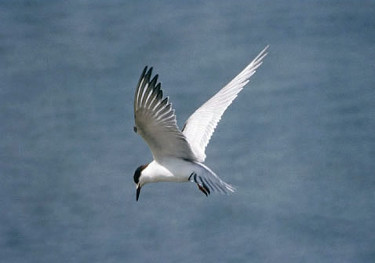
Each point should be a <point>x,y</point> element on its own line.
<point>138,191</point>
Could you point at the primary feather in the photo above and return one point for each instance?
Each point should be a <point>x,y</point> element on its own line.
<point>200,126</point>
<point>156,122</point>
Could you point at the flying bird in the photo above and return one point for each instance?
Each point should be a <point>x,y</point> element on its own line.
<point>179,154</point>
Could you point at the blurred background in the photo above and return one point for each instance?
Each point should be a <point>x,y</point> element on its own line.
<point>298,142</point>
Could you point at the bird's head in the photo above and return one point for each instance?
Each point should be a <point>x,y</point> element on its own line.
<point>139,180</point>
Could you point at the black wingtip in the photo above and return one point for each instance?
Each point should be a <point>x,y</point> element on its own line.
<point>154,80</point>
<point>142,75</point>
<point>148,75</point>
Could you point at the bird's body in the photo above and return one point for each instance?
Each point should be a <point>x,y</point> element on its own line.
<point>179,154</point>
<point>169,170</point>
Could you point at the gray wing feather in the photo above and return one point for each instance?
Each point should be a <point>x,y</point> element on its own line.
<point>156,122</point>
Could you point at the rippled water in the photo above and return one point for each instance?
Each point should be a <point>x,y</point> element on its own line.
<point>298,143</point>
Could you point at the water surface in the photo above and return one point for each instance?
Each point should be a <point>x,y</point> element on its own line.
<point>298,142</point>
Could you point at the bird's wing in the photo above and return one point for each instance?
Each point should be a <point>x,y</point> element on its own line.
<point>156,122</point>
<point>200,126</point>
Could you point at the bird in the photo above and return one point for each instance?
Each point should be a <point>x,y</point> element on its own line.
<point>179,155</point>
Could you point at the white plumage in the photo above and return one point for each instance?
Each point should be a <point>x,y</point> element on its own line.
<point>201,124</point>
<point>179,155</point>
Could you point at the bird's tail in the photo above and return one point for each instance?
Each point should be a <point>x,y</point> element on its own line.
<point>208,181</point>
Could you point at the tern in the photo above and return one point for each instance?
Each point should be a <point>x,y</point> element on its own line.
<point>179,154</point>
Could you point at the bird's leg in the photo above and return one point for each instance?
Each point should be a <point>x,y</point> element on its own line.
<point>203,189</point>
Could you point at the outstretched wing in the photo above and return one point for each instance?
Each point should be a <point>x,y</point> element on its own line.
<point>200,126</point>
<point>156,122</point>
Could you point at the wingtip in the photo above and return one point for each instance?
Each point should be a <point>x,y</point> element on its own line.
<point>262,54</point>
<point>265,49</point>
<point>149,73</point>
<point>144,71</point>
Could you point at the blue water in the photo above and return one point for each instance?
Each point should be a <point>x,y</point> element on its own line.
<point>299,142</point>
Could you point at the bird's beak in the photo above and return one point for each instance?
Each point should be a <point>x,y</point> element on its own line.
<point>138,191</point>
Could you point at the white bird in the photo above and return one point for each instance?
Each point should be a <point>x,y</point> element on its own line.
<point>179,154</point>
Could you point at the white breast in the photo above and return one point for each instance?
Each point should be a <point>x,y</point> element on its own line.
<point>169,170</point>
